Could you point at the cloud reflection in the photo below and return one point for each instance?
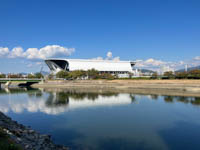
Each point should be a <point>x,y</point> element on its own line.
<point>59,102</point>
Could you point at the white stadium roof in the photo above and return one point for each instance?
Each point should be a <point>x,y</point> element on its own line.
<point>86,64</point>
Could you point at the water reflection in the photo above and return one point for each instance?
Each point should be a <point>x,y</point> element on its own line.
<point>58,102</point>
<point>182,99</point>
<point>109,121</point>
<point>35,100</point>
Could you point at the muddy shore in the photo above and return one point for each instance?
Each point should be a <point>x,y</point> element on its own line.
<point>159,87</point>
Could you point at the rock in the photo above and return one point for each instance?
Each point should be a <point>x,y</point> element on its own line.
<point>26,137</point>
<point>19,139</point>
<point>31,131</point>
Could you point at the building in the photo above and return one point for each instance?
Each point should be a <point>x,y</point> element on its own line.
<point>119,68</point>
<point>164,69</point>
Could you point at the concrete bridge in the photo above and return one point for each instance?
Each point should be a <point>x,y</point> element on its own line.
<point>18,81</point>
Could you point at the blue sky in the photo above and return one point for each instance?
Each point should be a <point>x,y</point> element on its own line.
<point>166,31</point>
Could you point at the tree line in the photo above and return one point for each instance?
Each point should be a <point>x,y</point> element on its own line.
<point>193,74</point>
<point>36,75</point>
<point>94,74</point>
<point>81,74</point>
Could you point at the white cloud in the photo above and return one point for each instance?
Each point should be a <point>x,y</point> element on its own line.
<point>35,53</point>
<point>97,58</point>
<point>156,65</point>
<point>32,53</point>
<point>55,51</point>
<point>16,52</point>
<point>116,58</point>
<point>109,56</point>
<point>150,63</point>
<point>197,58</point>
<point>154,62</point>
<point>4,51</point>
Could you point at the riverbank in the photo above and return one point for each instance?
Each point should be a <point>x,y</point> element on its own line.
<point>160,87</point>
<point>26,138</point>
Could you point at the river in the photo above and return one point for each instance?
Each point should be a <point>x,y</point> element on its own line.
<point>107,121</point>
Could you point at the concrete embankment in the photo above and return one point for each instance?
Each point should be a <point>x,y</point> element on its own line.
<point>27,138</point>
<point>162,87</point>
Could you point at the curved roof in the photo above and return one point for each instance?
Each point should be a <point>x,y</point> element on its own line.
<point>100,65</point>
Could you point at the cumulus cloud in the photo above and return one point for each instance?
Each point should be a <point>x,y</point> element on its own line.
<point>97,58</point>
<point>197,58</point>
<point>116,58</point>
<point>35,53</point>
<point>154,62</point>
<point>156,65</point>
<point>109,56</point>
<point>4,51</point>
<point>16,52</point>
<point>39,104</point>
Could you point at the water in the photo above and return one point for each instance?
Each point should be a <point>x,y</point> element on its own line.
<point>107,121</point>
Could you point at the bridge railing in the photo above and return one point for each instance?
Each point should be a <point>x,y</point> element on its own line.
<point>20,79</point>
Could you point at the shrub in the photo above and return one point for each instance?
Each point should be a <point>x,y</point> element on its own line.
<point>2,76</point>
<point>77,74</point>
<point>31,76</point>
<point>62,74</point>
<point>194,74</point>
<point>181,75</point>
<point>38,75</point>
<point>93,74</point>
<point>106,76</point>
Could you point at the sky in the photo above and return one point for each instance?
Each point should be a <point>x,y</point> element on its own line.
<point>154,33</point>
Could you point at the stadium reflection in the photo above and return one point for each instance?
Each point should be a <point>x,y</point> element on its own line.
<point>49,102</point>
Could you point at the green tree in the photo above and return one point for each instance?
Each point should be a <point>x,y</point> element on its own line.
<point>31,76</point>
<point>38,75</point>
<point>194,74</point>
<point>50,76</point>
<point>77,74</point>
<point>169,74</point>
<point>181,75</point>
<point>2,76</point>
<point>130,74</point>
<point>62,74</point>
<point>154,75</point>
<point>107,76</point>
<point>14,75</point>
<point>93,74</point>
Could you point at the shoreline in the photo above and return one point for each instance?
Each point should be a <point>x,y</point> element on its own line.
<point>159,87</point>
<point>25,137</point>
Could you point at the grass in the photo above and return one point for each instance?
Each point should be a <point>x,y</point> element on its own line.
<point>6,143</point>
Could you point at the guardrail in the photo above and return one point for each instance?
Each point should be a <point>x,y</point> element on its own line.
<point>20,79</point>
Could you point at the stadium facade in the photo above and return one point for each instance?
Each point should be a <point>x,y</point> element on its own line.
<point>119,68</point>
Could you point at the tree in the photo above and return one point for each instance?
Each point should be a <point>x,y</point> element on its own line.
<point>2,76</point>
<point>106,76</point>
<point>181,75</point>
<point>38,75</point>
<point>62,74</point>
<point>14,75</point>
<point>77,74</point>
<point>194,74</point>
<point>50,76</point>
<point>31,76</point>
<point>130,74</point>
<point>154,75</point>
<point>93,74</point>
<point>169,74</point>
